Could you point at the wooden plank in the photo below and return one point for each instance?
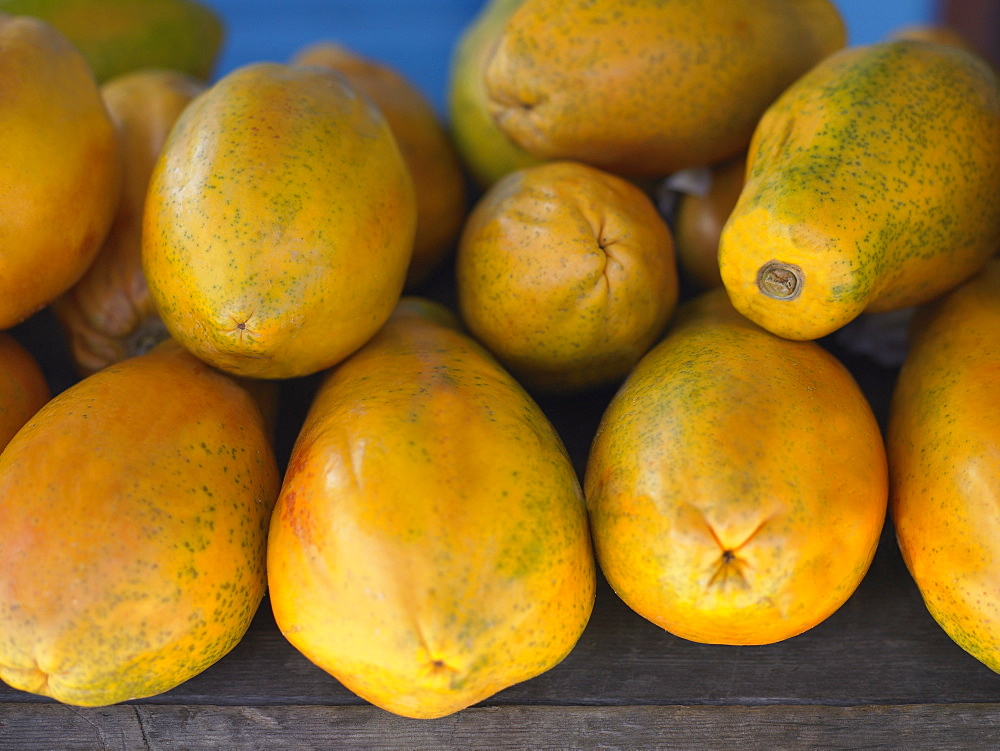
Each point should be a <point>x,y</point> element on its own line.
<point>963,727</point>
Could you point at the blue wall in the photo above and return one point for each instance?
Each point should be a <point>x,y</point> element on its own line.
<point>417,36</point>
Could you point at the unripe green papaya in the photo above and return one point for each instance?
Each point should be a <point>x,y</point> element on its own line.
<point>119,36</point>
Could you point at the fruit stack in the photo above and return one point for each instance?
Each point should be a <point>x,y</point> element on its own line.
<point>672,204</point>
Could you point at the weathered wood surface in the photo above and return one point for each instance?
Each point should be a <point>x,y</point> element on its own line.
<point>958,727</point>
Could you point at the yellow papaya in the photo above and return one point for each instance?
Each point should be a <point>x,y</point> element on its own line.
<point>430,545</point>
<point>61,172</point>
<point>24,388</point>
<point>566,273</point>
<point>871,186</point>
<point>133,518</point>
<point>279,222</point>
<point>645,88</point>
<point>943,440</point>
<point>737,482</point>
<point>108,314</point>
<point>120,36</point>
<point>424,141</point>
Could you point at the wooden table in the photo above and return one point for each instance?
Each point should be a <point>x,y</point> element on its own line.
<point>879,673</point>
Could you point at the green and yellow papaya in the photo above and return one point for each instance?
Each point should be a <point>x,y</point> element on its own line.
<point>871,186</point>
<point>943,441</point>
<point>133,519</point>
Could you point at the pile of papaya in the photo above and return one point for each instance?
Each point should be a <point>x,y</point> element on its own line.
<point>673,205</point>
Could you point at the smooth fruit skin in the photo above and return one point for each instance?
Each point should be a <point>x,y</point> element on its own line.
<point>876,176</point>
<point>645,88</point>
<point>133,518</point>
<point>430,544</point>
<point>486,151</point>
<point>279,223</point>
<point>943,441</point>
<point>24,388</point>
<point>60,171</point>
<point>737,482</point>
<point>108,314</point>
<point>121,36</point>
<point>424,142</point>
<point>567,274</point>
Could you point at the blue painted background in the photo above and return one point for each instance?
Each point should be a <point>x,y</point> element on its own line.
<point>417,36</point>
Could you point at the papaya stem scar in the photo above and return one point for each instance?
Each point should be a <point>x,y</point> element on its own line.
<point>241,327</point>
<point>780,281</point>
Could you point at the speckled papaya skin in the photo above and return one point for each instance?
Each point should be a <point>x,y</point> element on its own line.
<point>644,88</point>
<point>430,543</point>
<point>108,314</point>
<point>567,274</point>
<point>875,176</point>
<point>424,142</point>
<point>133,518</point>
<point>279,223</point>
<point>24,388</point>
<point>737,483</point>
<point>61,172</point>
<point>943,441</point>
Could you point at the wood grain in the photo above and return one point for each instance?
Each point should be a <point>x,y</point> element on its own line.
<point>961,727</point>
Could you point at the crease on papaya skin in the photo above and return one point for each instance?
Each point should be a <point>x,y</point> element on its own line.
<point>730,566</point>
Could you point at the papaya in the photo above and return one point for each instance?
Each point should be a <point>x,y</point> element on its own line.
<point>933,32</point>
<point>737,481</point>
<point>871,186</point>
<point>108,315</point>
<point>645,88</point>
<point>566,273</point>
<point>61,174</point>
<point>120,36</point>
<point>279,222</point>
<point>134,509</point>
<point>24,388</point>
<point>943,441</point>
<point>424,141</point>
<point>430,545</point>
<point>486,151</point>
<point>699,219</point>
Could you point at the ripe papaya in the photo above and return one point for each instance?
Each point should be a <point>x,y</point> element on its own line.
<point>430,545</point>
<point>61,172</point>
<point>567,274</point>
<point>645,88</point>
<point>133,517</point>
<point>279,223</point>
<point>699,219</point>
<point>24,388</point>
<point>108,314</point>
<point>737,482</point>
<point>943,440</point>
<point>871,186</point>
<point>424,141</point>
<point>120,36</point>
